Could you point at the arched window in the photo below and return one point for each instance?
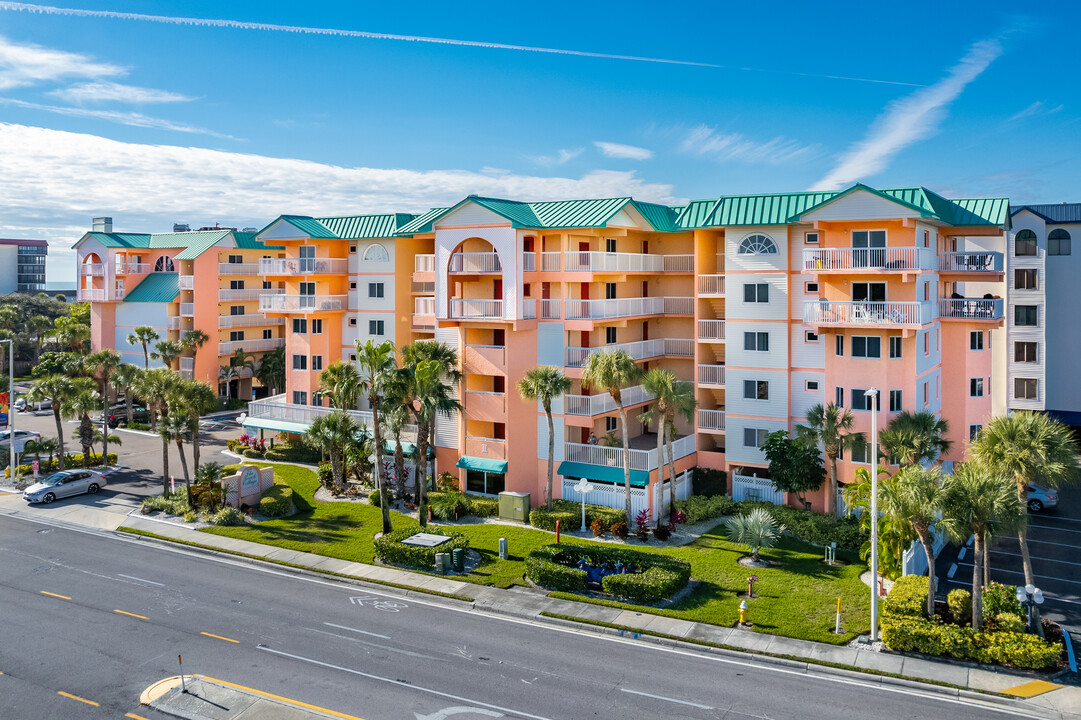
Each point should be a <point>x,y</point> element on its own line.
<point>376,253</point>
<point>1058,242</point>
<point>1025,244</point>
<point>757,245</point>
<point>164,264</point>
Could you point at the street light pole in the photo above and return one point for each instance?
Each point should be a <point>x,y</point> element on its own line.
<point>872,396</point>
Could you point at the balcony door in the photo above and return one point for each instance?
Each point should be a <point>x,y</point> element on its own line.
<point>307,293</point>
<point>868,292</point>
<point>307,258</point>
<point>868,248</point>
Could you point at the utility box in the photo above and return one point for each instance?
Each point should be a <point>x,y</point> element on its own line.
<point>514,506</point>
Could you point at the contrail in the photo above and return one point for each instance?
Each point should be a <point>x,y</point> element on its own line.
<point>270,27</point>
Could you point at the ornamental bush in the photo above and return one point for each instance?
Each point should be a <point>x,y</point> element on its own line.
<point>390,549</point>
<point>277,500</point>
<point>571,514</point>
<point>697,508</point>
<point>252,453</point>
<point>935,638</point>
<point>816,528</point>
<point>960,604</point>
<point>999,598</point>
<point>373,498</point>
<point>228,515</point>
<point>908,598</point>
<point>481,506</point>
<point>650,577</point>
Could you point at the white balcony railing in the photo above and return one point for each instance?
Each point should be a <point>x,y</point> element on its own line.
<point>187,367</point>
<point>529,308</point>
<point>711,419</point>
<point>590,405</point>
<point>678,263</point>
<point>887,258</point>
<point>974,309</point>
<point>711,375</point>
<point>254,319</point>
<point>303,266</point>
<point>475,262</point>
<point>253,345</point>
<point>550,261</point>
<point>187,282</point>
<point>711,285</point>
<point>238,268</point>
<point>476,309</point>
<point>627,307</point>
<point>276,408</point>
<point>549,309</point>
<point>645,460</point>
<point>172,322</point>
<point>640,350</point>
<point>711,329</point>
<point>187,309</point>
<point>970,262</point>
<point>867,313</point>
<point>132,268</point>
<point>529,262</point>
<point>591,261</point>
<point>118,293</point>
<point>424,306</point>
<point>247,293</point>
<point>302,303</point>
<point>92,269</point>
<point>91,295</point>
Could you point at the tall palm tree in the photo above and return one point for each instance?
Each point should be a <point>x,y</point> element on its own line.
<point>916,497</point>
<point>145,336</point>
<point>196,399</point>
<point>240,360</point>
<point>375,363</point>
<point>226,375</point>
<point>545,384</point>
<point>332,434</point>
<point>915,437</point>
<point>613,371</point>
<point>681,403</point>
<point>340,382</point>
<point>83,401</point>
<point>58,390</point>
<point>102,365</point>
<point>977,499</point>
<point>1029,447</point>
<point>99,437</point>
<point>396,417</point>
<point>125,378</point>
<point>156,387</point>
<point>39,325</point>
<point>830,427</point>
<point>173,428</point>
<point>271,370</point>
<point>167,351</point>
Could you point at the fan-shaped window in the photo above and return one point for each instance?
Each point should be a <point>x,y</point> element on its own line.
<point>376,253</point>
<point>1025,244</point>
<point>757,245</point>
<point>164,264</point>
<point>1058,242</point>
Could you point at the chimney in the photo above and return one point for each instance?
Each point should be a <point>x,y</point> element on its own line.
<point>103,224</point>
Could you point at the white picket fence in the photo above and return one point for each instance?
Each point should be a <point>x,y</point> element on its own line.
<point>613,496</point>
<point>752,487</point>
<point>660,493</point>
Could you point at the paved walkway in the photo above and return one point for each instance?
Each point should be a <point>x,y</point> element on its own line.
<point>203,698</point>
<point>1060,699</point>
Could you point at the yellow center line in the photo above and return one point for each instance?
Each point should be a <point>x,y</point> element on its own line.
<point>219,637</point>
<point>298,703</point>
<point>62,597</point>
<point>133,716</point>
<point>76,697</point>
<point>125,612</point>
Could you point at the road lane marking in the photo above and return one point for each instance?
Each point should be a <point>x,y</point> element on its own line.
<point>1039,542</point>
<point>377,645</point>
<point>132,577</point>
<point>298,703</point>
<point>1052,528</point>
<point>125,612</point>
<point>62,597</point>
<point>219,637</point>
<point>76,697</point>
<point>402,683</point>
<point>364,632</point>
<point>1035,557</point>
<point>666,699</point>
<point>133,716</point>
<point>1020,572</point>
<point>1046,595</point>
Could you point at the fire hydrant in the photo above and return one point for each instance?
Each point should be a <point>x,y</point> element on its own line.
<point>743,613</point>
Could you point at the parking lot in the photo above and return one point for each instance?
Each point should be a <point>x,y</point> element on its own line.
<point>1055,548</point>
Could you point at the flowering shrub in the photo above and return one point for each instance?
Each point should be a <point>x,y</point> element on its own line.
<point>641,523</point>
<point>597,527</point>
<point>998,599</point>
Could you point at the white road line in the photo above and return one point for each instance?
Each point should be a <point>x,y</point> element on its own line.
<point>132,577</point>
<point>363,632</point>
<point>1034,557</point>
<point>1046,596</point>
<point>666,699</point>
<point>1053,528</point>
<point>1042,542</point>
<point>1019,572</point>
<point>402,683</point>
<point>410,653</point>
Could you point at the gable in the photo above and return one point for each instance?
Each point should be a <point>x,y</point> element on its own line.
<point>470,214</point>
<point>291,229</point>
<point>860,205</point>
<point>629,216</point>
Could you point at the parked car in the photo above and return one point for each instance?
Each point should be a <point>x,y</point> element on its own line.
<point>119,416</point>
<point>22,405</point>
<point>64,483</point>
<point>21,437</point>
<point>1041,498</point>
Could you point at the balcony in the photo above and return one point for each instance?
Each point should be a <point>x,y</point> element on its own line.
<point>485,360</point>
<point>867,314</point>
<point>476,309</point>
<point>187,310</point>
<point>225,294</point>
<point>92,270</point>
<point>627,307</point>
<point>277,414</point>
<point>529,262</point>
<point>624,263</point>
<point>91,295</point>
<point>475,263</point>
<point>132,268</point>
<point>711,330</point>
<point>418,287</point>
<point>486,406</point>
<point>640,350</point>
<point>494,448</point>
<point>187,367</point>
<point>118,293</point>
<point>601,404</point>
<point>549,309</point>
<point>550,261</point>
<point>238,269</point>
<point>843,260</point>
<point>975,309</point>
<point>529,308</point>
<point>711,285</point>
<point>711,420</point>
<point>424,263</point>
<point>172,322</point>
<point>711,375</point>
<point>303,266</point>
<point>643,459</point>
<point>231,321</point>
<point>187,282</point>
<point>253,345</point>
<point>424,313</point>
<point>970,262</point>
<point>302,303</point>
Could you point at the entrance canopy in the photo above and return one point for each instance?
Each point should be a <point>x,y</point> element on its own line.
<point>602,473</point>
<point>482,464</point>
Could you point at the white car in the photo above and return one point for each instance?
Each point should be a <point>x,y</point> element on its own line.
<point>22,405</point>
<point>64,483</point>
<point>21,438</point>
<point>1041,498</point>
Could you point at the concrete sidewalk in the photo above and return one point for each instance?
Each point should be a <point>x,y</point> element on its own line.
<point>203,698</point>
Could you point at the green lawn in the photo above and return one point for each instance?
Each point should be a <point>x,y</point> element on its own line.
<point>796,599</point>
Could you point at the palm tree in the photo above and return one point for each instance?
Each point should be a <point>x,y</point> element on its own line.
<point>613,371</point>
<point>830,427</point>
<point>144,335</point>
<point>673,397</point>
<point>210,474</point>
<point>375,363</point>
<point>36,448</point>
<point>167,351</point>
<point>83,401</point>
<point>238,361</point>
<point>1029,447</point>
<point>916,497</point>
<point>196,398</point>
<point>175,426</point>
<point>226,375</point>
<point>915,437</point>
<point>977,499</point>
<point>58,389</point>
<point>271,370</point>
<point>100,437</point>
<point>40,325</point>
<point>756,529</point>
<point>332,434</point>
<point>156,387</point>
<point>340,382</point>
<point>545,384</point>
<point>125,378</point>
<point>396,417</point>
<point>102,365</point>
<point>192,340</point>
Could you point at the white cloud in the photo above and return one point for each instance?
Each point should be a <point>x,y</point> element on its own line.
<point>561,157</point>
<point>133,119</point>
<point>55,180</point>
<point>107,91</point>
<point>623,152</point>
<point>1037,108</point>
<point>23,64</point>
<point>909,120</point>
<point>704,140</point>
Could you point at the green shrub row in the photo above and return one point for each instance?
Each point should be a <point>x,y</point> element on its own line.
<point>806,525</point>
<point>914,634</point>
<point>700,507</point>
<point>467,503</point>
<point>277,501</point>
<point>649,578</point>
<point>907,598</point>
<point>390,549</point>
<point>293,452</point>
<point>570,513</point>
<point>71,461</point>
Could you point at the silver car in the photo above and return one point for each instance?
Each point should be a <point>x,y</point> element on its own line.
<point>64,483</point>
<point>1041,498</point>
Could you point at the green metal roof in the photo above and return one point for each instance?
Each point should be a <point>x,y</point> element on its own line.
<point>601,473</point>
<point>156,287</point>
<point>307,225</point>
<point>247,241</point>
<point>578,213</point>
<point>773,209</point>
<point>661,217</point>
<point>422,223</point>
<point>696,213</point>
<point>519,213</point>
<point>482,464</point>
<point>363,227</point>
<point>191,244</point>
<point>197,244</point>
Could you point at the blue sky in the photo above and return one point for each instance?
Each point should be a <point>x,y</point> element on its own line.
<point>156,120</point>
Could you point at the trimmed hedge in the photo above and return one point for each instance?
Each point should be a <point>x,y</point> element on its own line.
<point>700,507</point>
<point>651,577</point>
<point>570,513</point>
<point>277,500</point>
<point>390,549</point>
<point>71,461</point>
<point>907,598</point>
<point>252,453</point>
<point>293,452</point>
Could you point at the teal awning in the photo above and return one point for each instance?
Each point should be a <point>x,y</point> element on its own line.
<point>602,473</point>
<point>482,464</point>
<point>408,449</point>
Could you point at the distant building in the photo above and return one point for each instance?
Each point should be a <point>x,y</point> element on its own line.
<point>22,265</point>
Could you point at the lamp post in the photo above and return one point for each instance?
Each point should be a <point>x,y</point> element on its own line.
<point>11,407</point>
<point>1030,596</point>
<point>583,489</point>
<point>872,396</point>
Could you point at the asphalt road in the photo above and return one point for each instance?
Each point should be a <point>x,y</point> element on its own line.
<point>121,610</point>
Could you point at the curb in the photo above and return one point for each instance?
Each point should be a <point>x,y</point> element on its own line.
<point>161,687</point>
